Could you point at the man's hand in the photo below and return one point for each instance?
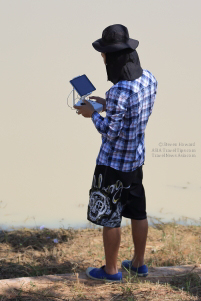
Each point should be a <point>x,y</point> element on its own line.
<point>99,100</point>
<point>86,110</point>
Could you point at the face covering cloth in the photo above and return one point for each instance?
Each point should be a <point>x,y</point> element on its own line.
<point>123,65</point>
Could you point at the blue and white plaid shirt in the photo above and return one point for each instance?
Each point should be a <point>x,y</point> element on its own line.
<point>128,107</point>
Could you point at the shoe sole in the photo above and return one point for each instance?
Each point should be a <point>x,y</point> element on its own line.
<point>102,279</point>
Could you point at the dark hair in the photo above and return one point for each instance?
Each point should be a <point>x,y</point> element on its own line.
<point>123,65</point>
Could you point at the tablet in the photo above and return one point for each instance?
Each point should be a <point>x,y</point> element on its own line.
<point>82,85</point>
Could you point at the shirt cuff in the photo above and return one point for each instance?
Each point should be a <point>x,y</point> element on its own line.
<point>94,114</point>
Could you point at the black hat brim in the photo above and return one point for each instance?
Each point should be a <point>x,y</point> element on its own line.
<point>99,46</point>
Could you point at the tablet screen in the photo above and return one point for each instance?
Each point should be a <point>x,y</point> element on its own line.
<point>82,85</point>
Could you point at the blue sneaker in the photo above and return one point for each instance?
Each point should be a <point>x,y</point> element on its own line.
<point>141,271</point>
<point>100,274</point>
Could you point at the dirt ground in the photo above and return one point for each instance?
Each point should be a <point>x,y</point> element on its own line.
<point>50,265</point>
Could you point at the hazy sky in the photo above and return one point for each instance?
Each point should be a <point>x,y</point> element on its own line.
<point>48,152</point>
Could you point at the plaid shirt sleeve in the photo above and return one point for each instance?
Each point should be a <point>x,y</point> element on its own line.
<point>116,107</point>
<point>154,89</point>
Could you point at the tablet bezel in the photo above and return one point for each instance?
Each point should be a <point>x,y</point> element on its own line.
<point>77,88</point>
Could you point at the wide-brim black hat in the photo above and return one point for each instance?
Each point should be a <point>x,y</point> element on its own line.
<point>114,38</point>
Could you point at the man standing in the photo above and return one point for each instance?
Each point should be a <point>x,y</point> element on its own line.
<point>117,188</point>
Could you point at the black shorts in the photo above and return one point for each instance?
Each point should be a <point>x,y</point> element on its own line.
<point>114,194</point>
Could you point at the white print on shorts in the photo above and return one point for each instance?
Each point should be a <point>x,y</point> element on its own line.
<point>99,202</point>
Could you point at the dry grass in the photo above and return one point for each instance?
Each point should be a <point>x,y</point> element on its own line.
<point>29,252</point>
